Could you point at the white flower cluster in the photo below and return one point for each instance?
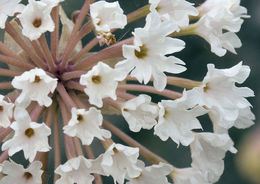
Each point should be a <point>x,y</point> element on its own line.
<point>78,84</point>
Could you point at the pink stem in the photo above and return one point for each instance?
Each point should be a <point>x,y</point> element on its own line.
<point>4,132</point>
<point>150,89</point>
<point>65,97</point>
<point>75,85</point>
<point>10,73</point>
<point>55,33</point>
<point>83,51</point>
<point>72,75</point>
<point>13,33</point>
<point>3,156</point>
<point>69,146</point>
<point>176,81</point>
<point>113,51</point>
<point>16,62</point>
<point>139,13</point>
<point>57,153</point>
<point>6,51</point>
<point>78,146</point>
<point>36,113</point>
<point>80,19</point>
<point>46,50</point>
<point>38,49</point>
<point>6,85</point>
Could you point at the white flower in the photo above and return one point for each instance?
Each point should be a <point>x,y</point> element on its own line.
<point>52,3</point>
<point>244,120</point>
<point>219,92</point>
<point>36,19</point>
<point>120,161</point>
<point>156,174</point>
<point>177,119</point>
<point>35,85</point>
<point>208,151</point>
<point>6,112</point>
<point>146,58</point>
<point>188,176</point>
<point>101,82</point>
<point>140,113</point>
<point>231,9</point>
<point>15,173</point>
<point>9,8</point>
<point>176,11</point>
<point>76,170</point>
<point>106,16</point>
<point>219,41</point>
<point>30,137</point>
<point>86,125</point>
<point>220,21</point>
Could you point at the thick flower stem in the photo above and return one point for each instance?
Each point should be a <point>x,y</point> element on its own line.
<point>4,156</point>
<point>125,95</point>
<point>75,85</point>
<point>16,62</point>
<point>13,33</point>
<point>79,21</point>
<point>87,28</point>
<point>114,103</point>
<point>152,157</point>
<point>57,153</point>
<point>137,14</point>
<point>69,146</point>
<point>65,97</point>
<point>10,73</point>
<point>35,114</point>
<point>8,52</point>
<point>6,85</point>
<point>46,50</point>
<point>55,33</point>
<point>4,132</point>
<point>38,49</point>
<point>85,50</point>
<point>149,89</point>
<point>78,146</point>
<point>176,81</point>
<point>114,51</point>
<point>72,75</point>
<point>190,30</point>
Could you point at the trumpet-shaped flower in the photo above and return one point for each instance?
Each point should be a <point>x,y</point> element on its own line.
<point>86,125</point>
<point>219,92</point>
<point>175,11</point>
<point>76,170</point>
<point>189,176</point>
<point>177,120</point>
<point>140,113</point>
<point>106,16</point>
<point>6,112</point>
<point>146,58</point>
<point>120,162</point>
<point>208,151</point>
<point>36,19</point>
<point>152,174</point>
<point>219,22</point>
<point>35,85</point>
<point>17,173</point>
<point>30,137</point>
<point>101,82</point>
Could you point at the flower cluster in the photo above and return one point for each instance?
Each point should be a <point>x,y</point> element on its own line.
<point>61,90</point>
